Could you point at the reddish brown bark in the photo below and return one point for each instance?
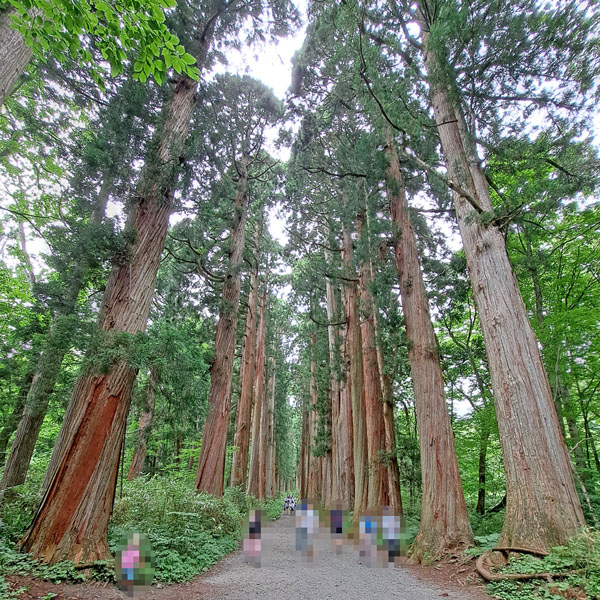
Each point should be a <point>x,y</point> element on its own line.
<point>444,521</point>
<point>355,380</point>
<point>314,462</point>
<point>303,476</point>
<point>270,439</point>
<point>378,494</point>
<point>342,464</point>
<point>241,440</point>
<point>543,509</point>
<point>141,444</point>
<point>72,521</point>
<point>258,387</point>
<point>211,464</point>
<point>393,471</point>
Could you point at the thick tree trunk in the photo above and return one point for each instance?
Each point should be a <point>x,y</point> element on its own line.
<point>14,54</point>
<point>141,444</point>
<point>72,521</point>
<point>393,471</point>
<point>543,509</point>
<point>211,465</point>
<point>444,521</point>
<point>356,382</point>
<point>258,387</point>
<point>378,494</point>
<point>241,439</point>
<point>47,369</point>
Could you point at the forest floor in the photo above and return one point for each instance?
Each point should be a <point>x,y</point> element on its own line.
<point>283,575</point>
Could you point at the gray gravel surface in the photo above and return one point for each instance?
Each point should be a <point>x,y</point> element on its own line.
<point>283,575</point>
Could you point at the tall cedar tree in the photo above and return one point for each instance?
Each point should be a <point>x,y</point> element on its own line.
<point>444,522</point>
<point>542,508</point>
<point>244,109</point>
<point>72,520</point>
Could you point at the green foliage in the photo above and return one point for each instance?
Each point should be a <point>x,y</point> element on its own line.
<point>188,531</point>
<point>67,29</point>
<point>581,555</point>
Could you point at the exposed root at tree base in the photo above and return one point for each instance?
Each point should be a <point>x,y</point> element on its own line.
<point>484,569</point>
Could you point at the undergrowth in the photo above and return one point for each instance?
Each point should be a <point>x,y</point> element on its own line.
<point>582,555</point>
<point>188,531</point>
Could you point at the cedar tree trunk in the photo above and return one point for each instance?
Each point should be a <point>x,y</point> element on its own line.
<point>543,509</point>
<point>444,521</point>
<point>258,387</point>
<point>72,521</point>
<point>211,465</point>
<point>356,383</point>
<point>141,443</point>
<point>342,471</point>
<point>241,440</point>
<point>377,473</point>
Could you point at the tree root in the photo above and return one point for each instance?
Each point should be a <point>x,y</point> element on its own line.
<point>486,573</point>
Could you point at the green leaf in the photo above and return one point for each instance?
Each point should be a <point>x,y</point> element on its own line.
<point>188,59</point>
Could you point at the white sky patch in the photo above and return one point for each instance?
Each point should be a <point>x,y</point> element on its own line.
<point>269,63</point>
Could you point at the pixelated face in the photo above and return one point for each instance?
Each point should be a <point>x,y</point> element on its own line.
<point>134,565</point>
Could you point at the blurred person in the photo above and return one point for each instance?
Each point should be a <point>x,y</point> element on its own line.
<point>252,544</point>
<point>134,565</point>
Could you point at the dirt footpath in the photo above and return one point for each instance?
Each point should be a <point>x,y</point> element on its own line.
<point>284,576</point>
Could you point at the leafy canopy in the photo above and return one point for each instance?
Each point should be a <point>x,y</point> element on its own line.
<point>73,29</point>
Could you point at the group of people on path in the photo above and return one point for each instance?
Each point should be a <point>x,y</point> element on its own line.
<point>289,505</point>
<point>379,537</point>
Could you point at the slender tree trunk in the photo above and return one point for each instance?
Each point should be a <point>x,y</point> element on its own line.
<point>342,463</point>
<point>378,494</point>
<point>304,450</point>
<point>393,471</point>
<point>314,464</point>
<point>543,509</point>
<point>141,444</point>
<point>241,440</point>
<point>47,369</point>
<point>72,521</point>
<point>211,465</point>
<point>12,421</point>
<point>14,54</point>
<point>270,449</point>
<point>444,521</point>
<point>481,471</point>
<point>259,378</point>
<point>333,340</point>
<point>263,457</point>
<point>356,382</point>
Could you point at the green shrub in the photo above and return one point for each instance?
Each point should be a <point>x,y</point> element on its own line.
<point>188,531</point>
<point>582,554</point>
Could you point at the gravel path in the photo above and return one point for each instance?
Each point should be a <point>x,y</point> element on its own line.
<point>284,576</point>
